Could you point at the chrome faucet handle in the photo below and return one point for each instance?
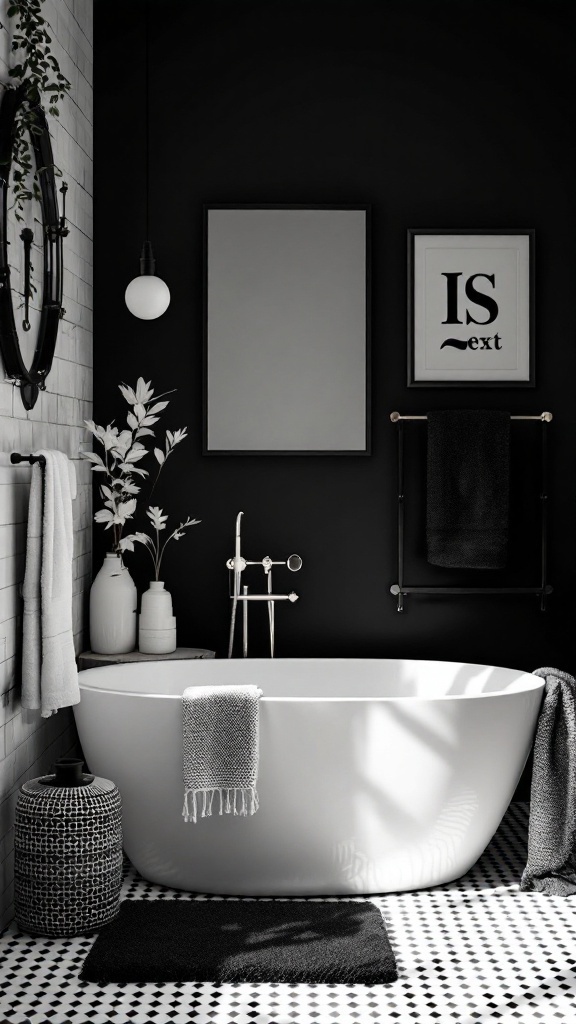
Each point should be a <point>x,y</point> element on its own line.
<point>294,563</point>
<point>266,563</point>
<point>238,563</point>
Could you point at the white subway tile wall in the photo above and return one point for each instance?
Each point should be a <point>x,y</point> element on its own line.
<point>28,743</point>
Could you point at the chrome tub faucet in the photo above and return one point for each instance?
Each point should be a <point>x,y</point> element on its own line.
<point>237,566</point>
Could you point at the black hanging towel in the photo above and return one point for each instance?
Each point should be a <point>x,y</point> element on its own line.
<point>468,488</point>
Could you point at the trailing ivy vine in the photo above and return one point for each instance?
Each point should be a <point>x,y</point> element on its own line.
<point>39,72</point>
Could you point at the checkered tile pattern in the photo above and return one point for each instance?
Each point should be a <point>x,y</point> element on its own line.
<point>474,951</point>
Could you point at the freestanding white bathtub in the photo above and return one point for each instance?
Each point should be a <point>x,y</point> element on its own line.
<point>375,775</point>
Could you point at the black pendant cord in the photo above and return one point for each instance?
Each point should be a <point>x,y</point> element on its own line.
<point>147,261</point>
<point>147,109</point>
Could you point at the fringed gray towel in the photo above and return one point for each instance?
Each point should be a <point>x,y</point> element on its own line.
<point>551,864</point>
<point>220,750</point>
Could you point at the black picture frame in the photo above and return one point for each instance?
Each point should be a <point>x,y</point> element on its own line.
<point>418,300</point>
<point>367,450</point>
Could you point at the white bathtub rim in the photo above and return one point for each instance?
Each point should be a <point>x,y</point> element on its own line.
<point>536,682</point>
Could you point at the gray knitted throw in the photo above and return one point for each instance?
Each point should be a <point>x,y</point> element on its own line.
<point>220,750</point>
<point>551,864</point>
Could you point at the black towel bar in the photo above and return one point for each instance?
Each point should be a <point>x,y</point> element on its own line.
<point>15,458</point>
<point>399,589</point>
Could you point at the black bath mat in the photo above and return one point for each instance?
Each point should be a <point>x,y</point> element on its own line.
<point>243,940</point>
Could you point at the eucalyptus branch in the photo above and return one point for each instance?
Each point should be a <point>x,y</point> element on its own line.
<point>150,551</point>
<point>172,535</point>
<point>122,450</point>
<point>158,520</point>
<point>172,439</point>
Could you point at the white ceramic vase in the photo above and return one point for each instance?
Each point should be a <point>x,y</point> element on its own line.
<point>113,609</point>
<point>157,628</point>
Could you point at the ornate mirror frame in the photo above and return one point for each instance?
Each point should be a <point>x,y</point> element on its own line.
<point>31,380</point>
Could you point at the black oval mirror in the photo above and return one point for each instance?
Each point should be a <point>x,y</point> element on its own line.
<point>31,379</point>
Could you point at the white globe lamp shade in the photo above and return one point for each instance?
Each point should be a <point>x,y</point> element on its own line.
<point>147,296</point>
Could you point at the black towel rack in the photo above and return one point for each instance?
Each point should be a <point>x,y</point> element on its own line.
<point>15,458</point>
<point>543,417</point>
<point>399,589</point>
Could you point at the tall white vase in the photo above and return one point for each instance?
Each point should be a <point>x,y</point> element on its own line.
<point>113,609</point>
<point>157,631</point>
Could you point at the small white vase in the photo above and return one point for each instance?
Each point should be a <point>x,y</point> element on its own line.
<point>157,626</point>
<point>113,609</point>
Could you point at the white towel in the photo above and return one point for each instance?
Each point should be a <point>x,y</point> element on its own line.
<point>49,672</point>
<point>220,749</point>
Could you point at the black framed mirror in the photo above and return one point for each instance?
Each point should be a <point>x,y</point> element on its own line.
<point>286,329</point>
<point>31,379</point>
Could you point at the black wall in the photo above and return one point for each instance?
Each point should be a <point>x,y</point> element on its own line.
<point>446,114</point>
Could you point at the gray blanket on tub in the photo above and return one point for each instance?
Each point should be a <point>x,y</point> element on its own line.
<point>551,864</point>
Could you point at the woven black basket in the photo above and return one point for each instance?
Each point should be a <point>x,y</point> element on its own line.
<point>67,852</point>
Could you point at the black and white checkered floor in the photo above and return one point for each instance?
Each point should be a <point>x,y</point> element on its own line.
<point>473,951</point>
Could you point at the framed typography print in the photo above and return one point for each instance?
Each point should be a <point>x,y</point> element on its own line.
<point>470,308</point>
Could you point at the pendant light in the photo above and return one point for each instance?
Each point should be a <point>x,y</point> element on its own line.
<point>147,296</point>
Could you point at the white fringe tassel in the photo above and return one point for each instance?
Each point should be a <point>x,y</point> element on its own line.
<point>232,801</point>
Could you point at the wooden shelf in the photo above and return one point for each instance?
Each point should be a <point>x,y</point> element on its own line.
<point>88,659</point>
